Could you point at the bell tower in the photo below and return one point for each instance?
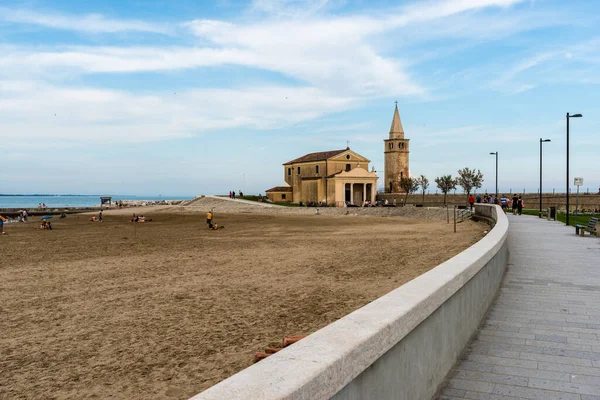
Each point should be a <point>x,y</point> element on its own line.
<point>396,155</point>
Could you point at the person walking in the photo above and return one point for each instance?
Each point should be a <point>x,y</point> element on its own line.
<point>515,204</point>
<point>504,203</point>
<point>100,216</point>
<point>471,202</point>
<point>520,205</point>
<point>209,218</point>
<point>233,195</point>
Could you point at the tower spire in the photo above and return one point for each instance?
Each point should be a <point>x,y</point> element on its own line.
<point>396,130</point>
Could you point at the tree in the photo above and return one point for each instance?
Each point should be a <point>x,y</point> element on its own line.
<point>424,183</point>
<point>409,185</point>
<point>445,183</point>
<point>469,179</point>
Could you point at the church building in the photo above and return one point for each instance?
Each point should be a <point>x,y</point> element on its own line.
<point>339,177</point>
<point>329,177</point>
<point>396,156</point>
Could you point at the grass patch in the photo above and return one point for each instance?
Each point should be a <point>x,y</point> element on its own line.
<point>562,217</point>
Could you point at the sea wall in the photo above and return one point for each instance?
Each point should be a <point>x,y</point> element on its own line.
<point>400,346</point>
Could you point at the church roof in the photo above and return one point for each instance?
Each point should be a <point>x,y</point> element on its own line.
<point>396,130</point>
<point>285,189</point>
<point>320,156</point>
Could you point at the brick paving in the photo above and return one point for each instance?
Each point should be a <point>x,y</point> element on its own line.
<point>541,337</point>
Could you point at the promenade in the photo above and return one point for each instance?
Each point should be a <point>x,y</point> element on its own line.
<point>541,337</point>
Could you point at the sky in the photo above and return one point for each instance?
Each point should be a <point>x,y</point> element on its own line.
<point>202,97</point>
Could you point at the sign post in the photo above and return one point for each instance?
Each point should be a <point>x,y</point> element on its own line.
<point>578,182</point>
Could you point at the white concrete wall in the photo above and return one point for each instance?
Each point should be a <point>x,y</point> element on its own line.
<point>400,346</point>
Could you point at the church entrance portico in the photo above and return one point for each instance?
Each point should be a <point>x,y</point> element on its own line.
<point>354,187</point>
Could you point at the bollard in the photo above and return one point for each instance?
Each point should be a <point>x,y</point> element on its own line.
<point>454,219</point>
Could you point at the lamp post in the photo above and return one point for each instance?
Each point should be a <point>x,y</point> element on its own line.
<point>496,154</point>
<point>541,141</point>
<point>568,117</point>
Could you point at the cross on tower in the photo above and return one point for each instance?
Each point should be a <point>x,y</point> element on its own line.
<point>347,144</point>
<point>396,102</point>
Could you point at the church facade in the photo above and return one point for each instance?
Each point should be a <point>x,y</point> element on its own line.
<point>395,152</point>
<point>330,177</point>
<point>339,177</point>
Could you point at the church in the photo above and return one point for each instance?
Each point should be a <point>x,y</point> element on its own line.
<point>339,177</point>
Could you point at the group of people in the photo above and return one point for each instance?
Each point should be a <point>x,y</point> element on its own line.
<point>46,225</point>
<point>210,223</point>
<point>42,206</point>
<point>232,194</point>
<point>516,205</point>
<point>139,218</point>
<point>97,219</point>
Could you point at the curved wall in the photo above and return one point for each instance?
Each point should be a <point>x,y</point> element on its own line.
<point>400,346</point>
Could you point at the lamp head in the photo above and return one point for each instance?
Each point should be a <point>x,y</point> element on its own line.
<point>545,140</point>
<point>575,116</point>
<point>494,154</point>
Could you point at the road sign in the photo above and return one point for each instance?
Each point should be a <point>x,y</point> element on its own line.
<point>578,181</point>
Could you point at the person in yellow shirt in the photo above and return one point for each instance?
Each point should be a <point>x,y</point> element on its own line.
<point>209,218</point>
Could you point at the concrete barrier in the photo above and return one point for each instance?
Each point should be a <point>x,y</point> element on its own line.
<point>400,346</point>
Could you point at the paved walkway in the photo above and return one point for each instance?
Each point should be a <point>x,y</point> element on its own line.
<point>541,338</point>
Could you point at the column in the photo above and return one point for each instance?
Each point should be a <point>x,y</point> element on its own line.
<point>364,193</point>
<point>352,193</point>
<point>373,192</point>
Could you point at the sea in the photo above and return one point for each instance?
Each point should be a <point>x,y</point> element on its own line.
<point>70,200</point>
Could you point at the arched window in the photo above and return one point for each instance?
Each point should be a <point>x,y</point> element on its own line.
<point>316,169</point>
<point>289,172</point>
<point>298,170</point>
<point>348,167</point>
<point>391,145</point>
<point>390,187</point>
<point>401,174</point>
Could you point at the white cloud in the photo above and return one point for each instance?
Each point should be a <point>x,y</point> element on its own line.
<point>91,23</point>
<point>41,112</point>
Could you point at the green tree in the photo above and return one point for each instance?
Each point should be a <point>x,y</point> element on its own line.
<point>445,183</point>
<point>424,183</point>
<point>409,185</point>
<point>469,179</point>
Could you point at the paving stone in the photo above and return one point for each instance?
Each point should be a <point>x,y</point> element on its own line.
<point>493,378</point>
<point>485,387</point>
<point>535,394</point>
<point>564,386</point>
<point>533,373</point>
<point>511,362</point>
<point>454,392</point>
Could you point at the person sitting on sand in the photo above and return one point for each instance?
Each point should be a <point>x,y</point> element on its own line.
<point>49,225</point>
<point>2,221</point>
<point>43,225</point>
<point>93,219</point>
<point>134,218</point>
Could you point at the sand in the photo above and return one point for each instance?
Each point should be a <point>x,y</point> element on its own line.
<point>168,308</point>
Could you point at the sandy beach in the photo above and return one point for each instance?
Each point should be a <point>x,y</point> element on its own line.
<point>168,308</point>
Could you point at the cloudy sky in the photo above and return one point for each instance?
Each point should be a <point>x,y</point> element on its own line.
<point>195,97</point>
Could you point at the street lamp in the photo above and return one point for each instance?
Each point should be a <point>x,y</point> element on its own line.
<point>496,154</point>
<point>568,117</point>
<point>541,141</point>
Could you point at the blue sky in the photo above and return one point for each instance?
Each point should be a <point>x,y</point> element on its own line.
<point>198,97</point>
